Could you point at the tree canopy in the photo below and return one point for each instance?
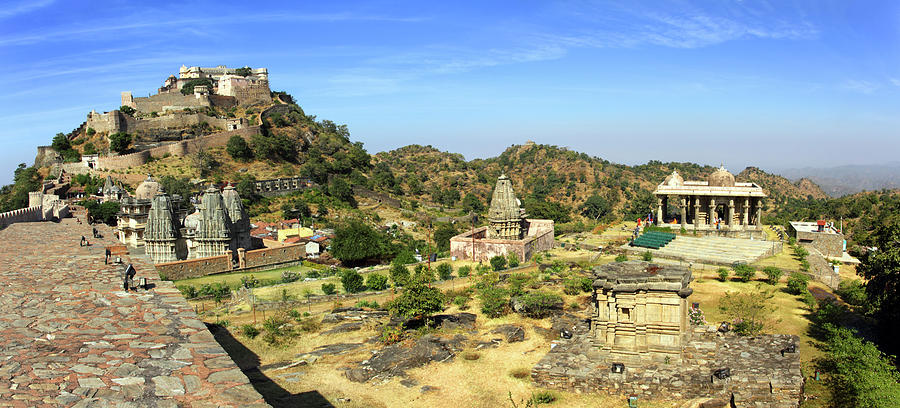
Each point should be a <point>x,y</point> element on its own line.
<point>356,242</point>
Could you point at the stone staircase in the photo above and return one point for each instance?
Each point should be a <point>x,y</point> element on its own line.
<point>714,250</point>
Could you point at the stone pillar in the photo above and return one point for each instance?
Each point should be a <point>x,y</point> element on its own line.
<point>683,206</point>
<point>730,212</point>
<point>758,216</point>
<point>659,209</point>
<point>228,256</point>
<point>242,258</point>
<point>711,215</point>
<point>696,213</point>
<point>745,212</point>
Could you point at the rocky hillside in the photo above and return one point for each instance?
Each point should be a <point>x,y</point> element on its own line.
<point>779,187</point>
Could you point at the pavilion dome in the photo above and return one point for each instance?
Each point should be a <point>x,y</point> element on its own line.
<point>721,178</point>
<point>674,179</point>
<point>147,190</point>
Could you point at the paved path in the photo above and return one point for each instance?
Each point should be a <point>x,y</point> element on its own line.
<point>70,336</point>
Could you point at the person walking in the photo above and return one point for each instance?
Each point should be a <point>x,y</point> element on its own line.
<point>129,277</point>
<point>108,253</point>
<point>83,241</point>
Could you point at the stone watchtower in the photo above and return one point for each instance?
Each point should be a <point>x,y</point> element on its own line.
<point>214,231</point>
<point>506,218</point>
<point>240,221</point>
<point>160,235</point>
<point>641,311</point>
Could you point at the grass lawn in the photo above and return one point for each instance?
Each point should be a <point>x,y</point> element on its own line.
<point>234,279</point>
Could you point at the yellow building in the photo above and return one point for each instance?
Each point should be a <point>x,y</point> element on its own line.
<point>286,233</point>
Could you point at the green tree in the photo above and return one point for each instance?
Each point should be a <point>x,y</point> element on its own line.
<point>881,268</point>
<point>548,210</point>
<point>352,281</point>
<point>773,274</point>
<point>341,190</point>
<point>238,148</point>
<point>797,283</point>
<point>723,274</point>
<point>418,300</point>
<point>399,274</point>
<point>512,260</point>
<point>188,87</point>
<point>750,313</point>
<point>61,143</point>
<point>595,207</point>
<point>498,262</point>
<point>15,196</point>
<point>445,271</point>
<point>376,281</point>
<point>355,242</point>
<point>89,148</point>
<point>471,203</point>
<point>442,234</point>
<point>180,186</point>
<point>494,301</point>
<point>328,288</point>
<point>128,110</point>
<point>744,272</point>
<point>859,374</point>
<point>119,142</point>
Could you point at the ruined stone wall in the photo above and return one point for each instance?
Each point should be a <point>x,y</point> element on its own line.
<point>282,186</point>
<point>380,197</point>
<point>30,214</point>
<point>760,374</point>
<point>194,268</point>
<point>110,122</point>
<point>828,244</point>
<point>542,234</point>
<point>203,142</point>
<point>274,256</point>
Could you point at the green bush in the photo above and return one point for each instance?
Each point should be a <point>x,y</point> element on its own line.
<point>544,397</point>
<point>512,260</point>
<point>417,300</point>
<point>647,256</point>
<point>461,302</point>
<point>723,274</point>
<point>853,292</point>
<point>621,258</point>
<point>744,272</point>
<point>313,274</point>
<point>539,304</point>
<point>773,274</point>
<point>804,265</point>
<point>399,274</point>
<point>498,263</point>
<point>119,142</point>
<point>249,331</point>
<point>365,303</point>
<point>445,271</point>
<point>128,110</point>
<point>290,276</point>
<point>464,271</point>
<point>328,288</point>
<point>238,148</point>
<point>422,273</point>
<point>494,301</point>
<point>797,283</point>
<point>572,286</point>
<point>352,281</point>
<point>377,281</point>
<point>188,291</point>
<point>859,374</point>
<point>249,282</point>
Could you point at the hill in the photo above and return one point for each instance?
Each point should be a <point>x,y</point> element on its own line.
<point>844,180</point>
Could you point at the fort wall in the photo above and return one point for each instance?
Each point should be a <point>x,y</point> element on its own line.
<point>175,149</point>
<point>274,256</point>
<point>46,156</point>
<point>257,259</point>
<point>30,214</point>
<point>194,268</point>
<point>171,100</point>
<point>123,161</point>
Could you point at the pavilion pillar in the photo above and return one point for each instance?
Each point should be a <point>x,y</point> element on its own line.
<point>683,207</point>
<point>712,212</point>
<point>745,212</point>
<point>758,216</point>
<point>730,212</point>
<point>659,209</point>
<point>696,213</point>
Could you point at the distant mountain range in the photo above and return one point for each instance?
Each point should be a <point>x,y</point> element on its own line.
<point>843,180</point>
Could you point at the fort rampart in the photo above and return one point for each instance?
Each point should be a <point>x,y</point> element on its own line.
<point>30,214</point>
<point>181,148</point>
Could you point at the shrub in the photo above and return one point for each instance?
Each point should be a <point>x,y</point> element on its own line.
<point>377,281</point>
<point>773,274</point>
<point>749,312</point>
<point>647,256</point>
<point>249,281</point>
<point>369,304</point>
<point>461,302</point>
<point>512,260</point>
<point>744,272</point>
<point>723,274</point>
<point>423,274</point>
<point>544,397</point>
<point>804,265</point>
<point>238,148</point>
<point>352,281</point>
<point>445,271</point>
<point>309,325</point>
<point>494,301</point>
<point>464,271</point>
<point>417,300</point>
<point>188,291</point>
<point>313,274</point>
<point>797,283</point>
<point>119,142</point>
<point>392,334</point>
<point>498,263</point>
<point>621,258</point>
<point>517,283</point>
<point>860,375</point>
<point>587,285</point>
<point>289,276</point>
<point>249,331</point>
<point>399,274</point>
<point>852,292</point>
<point>328,288</point>
<point>128,110</point>
<point>539,304</point>
<point>572,286</point>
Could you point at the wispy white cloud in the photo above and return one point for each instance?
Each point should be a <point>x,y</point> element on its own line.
<point>895,81</point>
<point>12,10</point>
<point>860,86</point>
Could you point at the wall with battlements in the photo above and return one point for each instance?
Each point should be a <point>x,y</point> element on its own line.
<point>169,101</point>
<point>30,214</point>
<point>175,149</point>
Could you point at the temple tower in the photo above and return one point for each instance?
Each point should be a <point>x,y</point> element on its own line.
<point>240,222</point>
<point>161,234</point>
<point>213,235</point>
<point>505,217</point>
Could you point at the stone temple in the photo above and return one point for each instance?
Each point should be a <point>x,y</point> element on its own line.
<point>508,230</point>
<point>639,341</point>
<point>698,205</point>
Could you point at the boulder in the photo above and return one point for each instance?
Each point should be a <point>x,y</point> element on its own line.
<point>511,333</point>
<point>344,328</point>
<point>392,360</point>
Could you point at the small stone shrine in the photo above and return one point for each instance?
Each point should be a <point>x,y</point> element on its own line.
<point>641,343</point>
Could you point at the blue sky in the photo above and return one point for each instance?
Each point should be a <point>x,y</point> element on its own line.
<point>772,84</point>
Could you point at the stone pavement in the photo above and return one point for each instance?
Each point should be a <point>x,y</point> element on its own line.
<point>70,336</point>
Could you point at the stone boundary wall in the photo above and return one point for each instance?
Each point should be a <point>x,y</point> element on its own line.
<point>280,109</point>
<point>155,103</point>
<point>30,214</point>
<point>380,197</point>
<point>181,148</point>
<point>194,268</point>
<point>761,376</point>
<point>274,256</point>
<point>821,269</point>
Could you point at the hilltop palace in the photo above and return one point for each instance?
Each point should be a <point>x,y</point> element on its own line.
<point>717,205</point>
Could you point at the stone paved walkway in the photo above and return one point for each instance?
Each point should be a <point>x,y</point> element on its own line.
<point>70,336</point>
